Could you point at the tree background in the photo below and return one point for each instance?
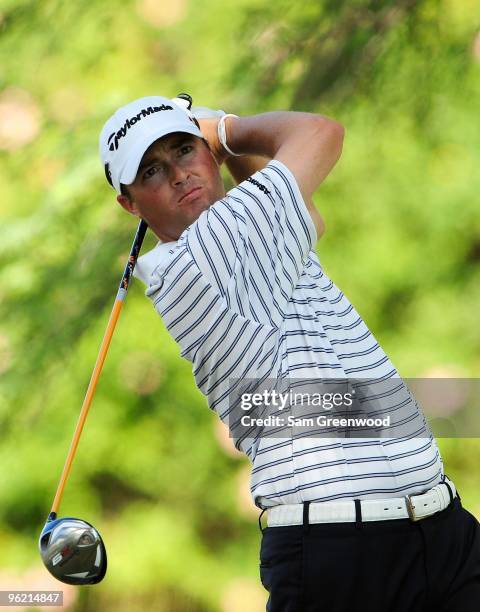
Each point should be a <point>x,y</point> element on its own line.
<point>155,472</point>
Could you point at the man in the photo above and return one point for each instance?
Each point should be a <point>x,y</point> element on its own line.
<point>239,286</point>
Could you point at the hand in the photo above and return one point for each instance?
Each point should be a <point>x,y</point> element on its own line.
<point>208,120</point>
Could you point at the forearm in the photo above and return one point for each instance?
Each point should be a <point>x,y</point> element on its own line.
<point>308,144</point>
<point>262,134</point>
<point>268,134</point>
<point>244,166</point>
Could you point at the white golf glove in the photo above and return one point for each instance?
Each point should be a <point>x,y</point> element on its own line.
<point>203,112</point>
<point>199,112</point>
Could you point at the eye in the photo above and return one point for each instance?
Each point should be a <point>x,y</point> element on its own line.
<point>185,149</point>
<point>151,171</point>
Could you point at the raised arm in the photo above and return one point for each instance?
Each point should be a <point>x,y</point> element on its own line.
<point>309,145</point>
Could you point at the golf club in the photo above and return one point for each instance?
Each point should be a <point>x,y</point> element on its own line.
<point>72,550</point>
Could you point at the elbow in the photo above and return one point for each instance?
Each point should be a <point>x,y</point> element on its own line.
<point>331,134</point>
<point>340,137</point>
<point>336,136</point>
<point>340,134</point>
<point>333,126</point>
<point>338,129</point>
<point>328,135</point>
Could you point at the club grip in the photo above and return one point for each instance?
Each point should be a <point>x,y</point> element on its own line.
<point>132,259</point>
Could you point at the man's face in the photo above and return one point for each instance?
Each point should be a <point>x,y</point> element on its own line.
<point>178,178</point>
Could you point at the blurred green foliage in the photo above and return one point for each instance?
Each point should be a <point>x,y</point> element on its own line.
<point>402,240</point>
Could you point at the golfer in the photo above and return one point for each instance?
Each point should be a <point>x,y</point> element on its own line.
<point>352,523</point>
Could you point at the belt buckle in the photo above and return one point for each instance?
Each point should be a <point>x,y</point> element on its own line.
<point>411,510</point>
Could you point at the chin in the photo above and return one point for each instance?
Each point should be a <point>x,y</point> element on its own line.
<point>205,205</point>
<point>200,206</point>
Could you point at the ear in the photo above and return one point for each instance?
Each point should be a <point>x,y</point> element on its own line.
<point>126,203</point>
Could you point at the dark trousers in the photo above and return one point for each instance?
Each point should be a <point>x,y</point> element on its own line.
<point>381,566</point>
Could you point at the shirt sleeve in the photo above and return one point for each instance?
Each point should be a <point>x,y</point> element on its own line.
<point>252,245</point>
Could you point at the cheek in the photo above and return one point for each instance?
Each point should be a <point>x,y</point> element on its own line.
<point>152,196</point>
<point>216,182</point>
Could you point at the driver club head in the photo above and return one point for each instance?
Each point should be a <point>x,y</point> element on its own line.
<point>73,551</point>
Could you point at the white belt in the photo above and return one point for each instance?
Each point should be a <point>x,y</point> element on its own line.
<point>414,507</point>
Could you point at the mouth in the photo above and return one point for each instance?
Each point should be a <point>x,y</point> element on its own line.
<point>190,195</point>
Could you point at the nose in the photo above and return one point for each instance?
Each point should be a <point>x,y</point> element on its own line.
<point>178,174</point>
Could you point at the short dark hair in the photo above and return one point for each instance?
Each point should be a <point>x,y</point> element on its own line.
<point>124,191</point>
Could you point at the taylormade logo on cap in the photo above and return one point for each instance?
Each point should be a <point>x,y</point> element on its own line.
<point>113,146</point>
<point>133,128</point>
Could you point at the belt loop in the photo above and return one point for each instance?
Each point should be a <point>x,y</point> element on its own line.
<point>358,514</point>
<point>450,492</point>
<point>306,524</point>
<point>260,520</point>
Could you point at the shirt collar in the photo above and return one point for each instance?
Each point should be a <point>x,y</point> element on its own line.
<point>147,264</point>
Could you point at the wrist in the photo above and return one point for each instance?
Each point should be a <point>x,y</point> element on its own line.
<point>223,134</point>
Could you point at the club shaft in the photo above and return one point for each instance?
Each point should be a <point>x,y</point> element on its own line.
<point>117,307</point>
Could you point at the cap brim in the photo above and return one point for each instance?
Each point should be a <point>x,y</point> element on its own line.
<point>129,172</point>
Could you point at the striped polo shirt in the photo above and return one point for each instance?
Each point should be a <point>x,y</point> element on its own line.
<point>244,295</point>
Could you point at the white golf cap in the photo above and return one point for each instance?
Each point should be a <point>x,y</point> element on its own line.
<point>134,127</point>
